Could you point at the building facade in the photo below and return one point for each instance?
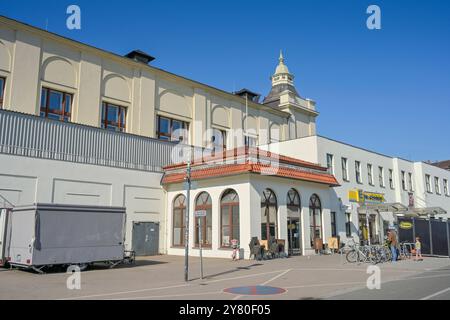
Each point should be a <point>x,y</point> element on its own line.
<point>80,125</point>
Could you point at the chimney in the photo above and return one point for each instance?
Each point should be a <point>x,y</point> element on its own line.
<point>252,96</point>
<point>140,56</point>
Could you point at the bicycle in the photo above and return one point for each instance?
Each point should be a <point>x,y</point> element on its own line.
<point>361,254</point>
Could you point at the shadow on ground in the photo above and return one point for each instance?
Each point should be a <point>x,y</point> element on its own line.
<point>230,271</point>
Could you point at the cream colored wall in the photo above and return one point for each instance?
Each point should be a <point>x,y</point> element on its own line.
<point>31,59</point>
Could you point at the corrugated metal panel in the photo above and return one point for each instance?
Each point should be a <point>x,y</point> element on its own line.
<point>31,136</point>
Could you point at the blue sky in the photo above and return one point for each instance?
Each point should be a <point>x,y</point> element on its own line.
<point>386,90</point>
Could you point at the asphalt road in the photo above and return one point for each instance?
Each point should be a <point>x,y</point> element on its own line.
<point>430,285</point>
<point>162,277</point>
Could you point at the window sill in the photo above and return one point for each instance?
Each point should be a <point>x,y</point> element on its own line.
<point>203,248</point>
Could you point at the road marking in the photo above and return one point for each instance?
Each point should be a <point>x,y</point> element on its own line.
<point>247,276</point>
<point>324,285</point>
<point>168,287</point>
<point>276,277</point>
<point>124,292</point>
<point>435,294</point>
<point>170,295</point>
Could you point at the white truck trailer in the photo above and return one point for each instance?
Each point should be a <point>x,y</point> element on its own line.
<point>43,235</point>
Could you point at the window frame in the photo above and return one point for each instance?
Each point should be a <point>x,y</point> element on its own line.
<point>169,136</point>
<point>333,224</point>
<point>248,138</point>
<point>381,176</point>
<point>183,212</point>
<point>391,179</point>
<point>348,226</point>
<point>330,163</point>
<point>208,208</point>
<point>403,179</point>
<point>370,174</point>
<point>428,183</point>
<point>437,185</point>
<point>2,91</point>
<point>224,134</point>
<point>410,182</point>
<point>344,166</point>
<point>358,173</point>
<point>46,109</point>
<point>446,190</point>
<point>122,111</point>
<point>266,201</point>
<point>313,224</point>
<point>230,225</point>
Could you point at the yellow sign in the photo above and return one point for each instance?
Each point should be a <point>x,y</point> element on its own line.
<point>353,196</point>
<point>361,196</point>
<point>405,225</point>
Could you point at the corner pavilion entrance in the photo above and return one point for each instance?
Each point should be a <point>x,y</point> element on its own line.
<point>267,191</point>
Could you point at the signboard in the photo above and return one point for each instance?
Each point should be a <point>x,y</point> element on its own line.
<point>200,213</point>
<point>361,196</point>
<point>405,225</point>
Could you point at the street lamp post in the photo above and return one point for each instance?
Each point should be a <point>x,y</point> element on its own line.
<point>186,230</point>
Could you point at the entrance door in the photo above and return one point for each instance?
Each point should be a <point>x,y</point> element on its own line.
<point>294,236</point>
<point>145,238</point>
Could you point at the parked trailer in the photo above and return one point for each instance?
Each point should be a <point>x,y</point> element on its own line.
<point>44,235</point>
<point>4,215</point>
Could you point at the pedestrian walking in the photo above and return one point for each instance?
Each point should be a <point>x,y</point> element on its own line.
<point>392,238</point>
<point>235,246</point>
<point>418,249</point>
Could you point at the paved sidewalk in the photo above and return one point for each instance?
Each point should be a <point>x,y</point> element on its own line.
<point>162,277</point>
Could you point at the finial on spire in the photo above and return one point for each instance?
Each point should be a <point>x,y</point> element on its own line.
<point>281,59</point>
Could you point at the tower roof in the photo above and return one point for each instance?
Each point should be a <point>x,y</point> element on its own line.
<point>282,81</point>
<point>281,68</point>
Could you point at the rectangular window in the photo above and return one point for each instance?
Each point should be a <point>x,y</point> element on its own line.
<point>330,163</point>
<point>410,182</point>
<point>333,224</point>
<point>358,171</point>
<point>172,130</point>
<point>219,140</point>
<point>113,117</point>
<point>446,191</point>
<point>348,224</point>
<point>370,174</point>
<point>2,90</point>
<point>391,179</point>
<point>403,181</point>
<point>344,169</point>
<point>428,182</point>
<point>55,105</point>
<point>437,185</point>
<point>381,176</point>
<point>250,141</point>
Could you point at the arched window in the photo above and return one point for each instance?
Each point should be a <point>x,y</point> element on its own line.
<point>293,222</point>
<point>268,215</point>
<point>179,218</point>
<point>229,213</point>
<point>293,203</point>
<point>203,202</point>
<point>315,218</point>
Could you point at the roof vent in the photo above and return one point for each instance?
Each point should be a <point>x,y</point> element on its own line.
<point>140,56</point>
<point>252,96</point>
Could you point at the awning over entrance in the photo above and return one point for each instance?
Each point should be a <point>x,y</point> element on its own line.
<point>425,212</point>
<point>395,207</point>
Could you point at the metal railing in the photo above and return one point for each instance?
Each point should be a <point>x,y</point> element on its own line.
<point>32,136</point>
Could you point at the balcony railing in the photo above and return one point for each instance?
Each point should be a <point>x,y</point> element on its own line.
<point>32,136</point>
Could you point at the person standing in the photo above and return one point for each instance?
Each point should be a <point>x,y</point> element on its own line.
<point>418,248</point>
<point>392,238</point>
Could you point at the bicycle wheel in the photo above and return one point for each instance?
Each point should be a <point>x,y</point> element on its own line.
<point>352,256</point>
